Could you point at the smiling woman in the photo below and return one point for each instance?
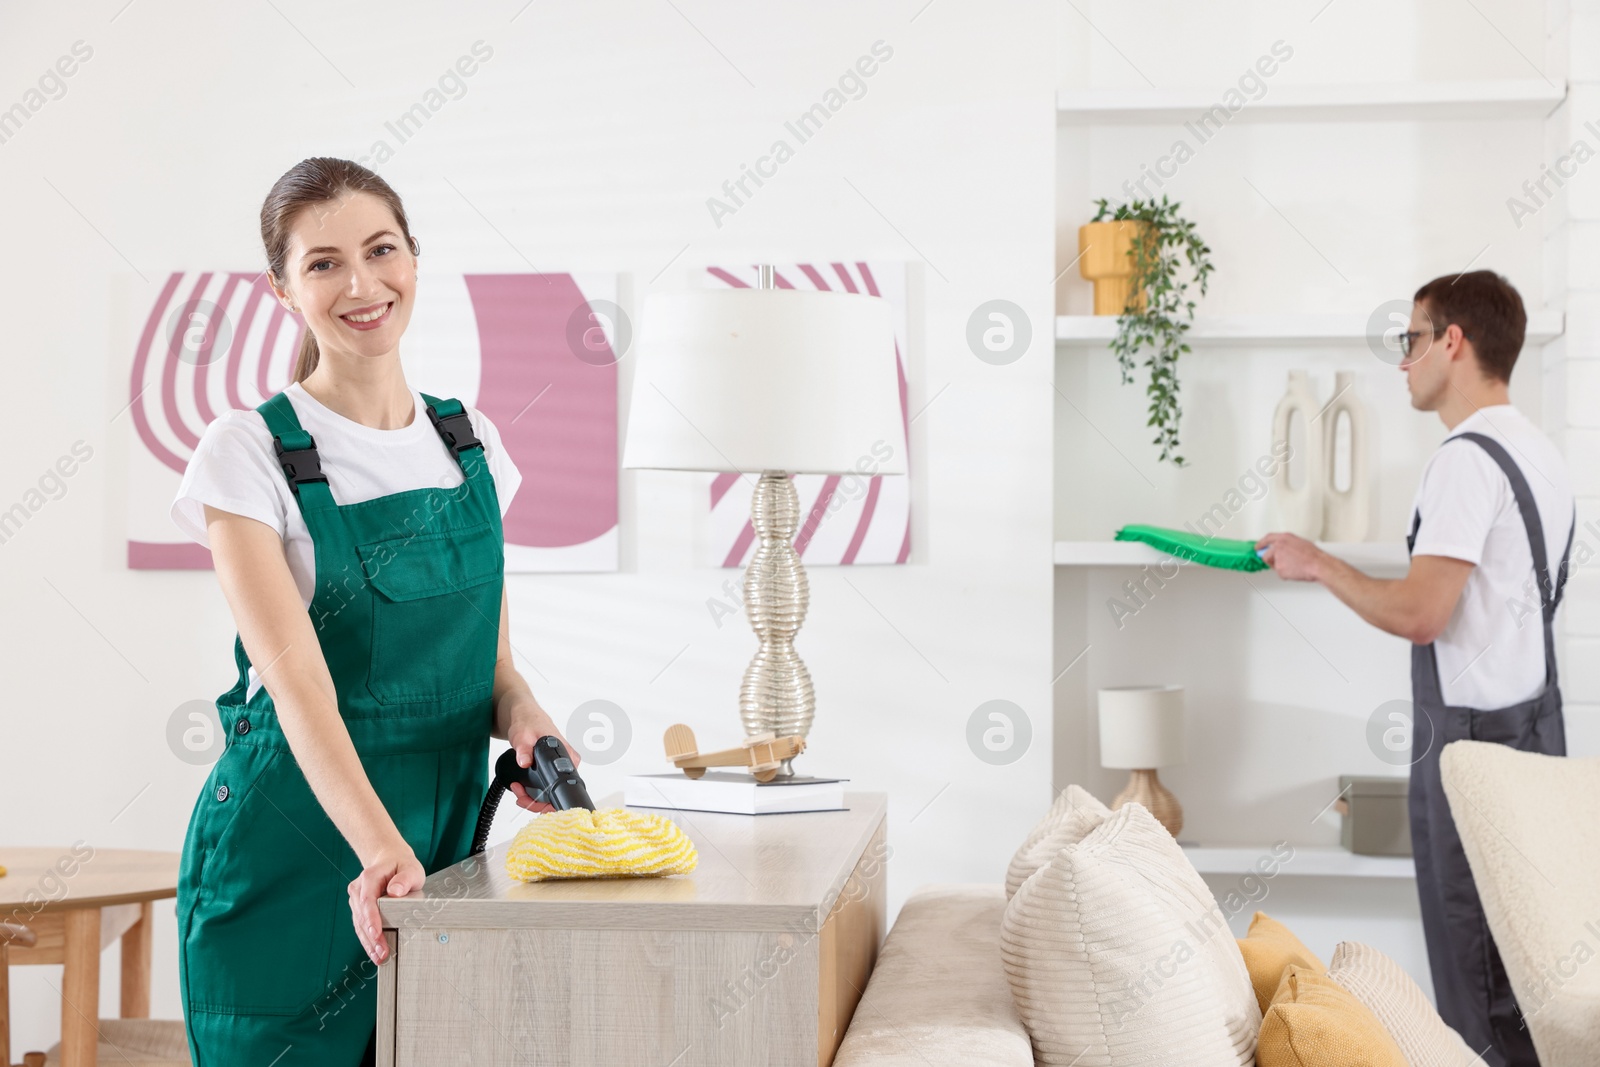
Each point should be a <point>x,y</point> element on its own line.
<point>337,302</point>
<point>355,525</point>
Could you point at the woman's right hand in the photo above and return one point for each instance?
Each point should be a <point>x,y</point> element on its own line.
<point>394,872</point>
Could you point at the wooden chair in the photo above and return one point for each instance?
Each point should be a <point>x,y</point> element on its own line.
<point>11,934</point>
<point>125,1042</point>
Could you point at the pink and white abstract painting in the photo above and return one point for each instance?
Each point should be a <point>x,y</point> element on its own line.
<point>845,519</point>
<point>534,352</point>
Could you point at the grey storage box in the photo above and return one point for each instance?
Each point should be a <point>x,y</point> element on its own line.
<point>1375,818</point>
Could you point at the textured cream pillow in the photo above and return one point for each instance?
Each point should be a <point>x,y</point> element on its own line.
<point>1403,1009</point>
<point>1108,966</point>
<point>1528,828</point>
<point>1151,851</point>
<point>1074,813</point>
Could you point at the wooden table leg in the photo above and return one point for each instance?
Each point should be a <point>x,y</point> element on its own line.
<point>5,1000</point>
<point>136,966</point>
<point>80,988</point>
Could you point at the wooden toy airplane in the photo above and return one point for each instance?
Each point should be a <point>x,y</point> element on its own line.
<point>762,754</point>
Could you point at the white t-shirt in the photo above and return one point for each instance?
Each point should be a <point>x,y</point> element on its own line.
<point>233,468</point>
<point>1491,652</point>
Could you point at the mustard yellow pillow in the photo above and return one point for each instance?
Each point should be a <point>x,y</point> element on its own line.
<point>1268,948</point>
<point>1313,1021</point>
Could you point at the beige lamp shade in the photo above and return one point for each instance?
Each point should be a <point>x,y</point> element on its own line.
<point>1141,727</point>
<point>749,380</point>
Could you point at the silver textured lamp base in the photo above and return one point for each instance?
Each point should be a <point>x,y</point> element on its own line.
<point>776,693</point>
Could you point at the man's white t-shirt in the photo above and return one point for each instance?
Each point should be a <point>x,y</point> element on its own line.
<point>1491,653</point>
<point>234,469</point>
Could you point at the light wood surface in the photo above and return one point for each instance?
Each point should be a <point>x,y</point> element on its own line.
<point>754,872</point>
<point>848,947</point>
<point>80,988</point>
<point>11,934</point>
<point>755,959</point>
<point>76,901</point>
<point>106,876</point>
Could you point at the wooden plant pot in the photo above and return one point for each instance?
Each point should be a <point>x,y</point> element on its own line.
<point>1105,258</point>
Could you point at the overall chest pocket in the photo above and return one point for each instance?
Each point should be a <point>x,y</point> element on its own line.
<point>435,614</point>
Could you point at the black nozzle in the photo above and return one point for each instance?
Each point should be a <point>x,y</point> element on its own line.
<point>552,779</point>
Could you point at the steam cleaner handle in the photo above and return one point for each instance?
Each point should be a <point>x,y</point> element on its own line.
<point>551,778</point>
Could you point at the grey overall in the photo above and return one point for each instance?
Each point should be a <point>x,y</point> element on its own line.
<point>1469,980</point>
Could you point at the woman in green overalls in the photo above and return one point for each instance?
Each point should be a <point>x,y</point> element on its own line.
<point>359,764</point>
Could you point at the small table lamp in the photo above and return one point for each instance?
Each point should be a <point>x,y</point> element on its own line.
<point>1141,728</point>
<point>775,381</point>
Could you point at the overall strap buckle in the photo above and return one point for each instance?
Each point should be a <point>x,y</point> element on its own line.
<point>455,430</point>
<point>299,464</point>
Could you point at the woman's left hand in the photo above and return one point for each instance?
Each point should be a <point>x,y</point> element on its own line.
<point>527,723</point>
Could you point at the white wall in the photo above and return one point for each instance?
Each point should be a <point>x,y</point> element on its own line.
<point>590,140</point>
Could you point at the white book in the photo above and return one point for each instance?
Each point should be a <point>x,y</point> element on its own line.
<point>733,792</point>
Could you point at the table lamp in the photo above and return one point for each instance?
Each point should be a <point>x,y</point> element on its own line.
<point>772,382</point>
<point>1141,728</point>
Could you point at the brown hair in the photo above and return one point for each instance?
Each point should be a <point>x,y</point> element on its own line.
<point>318,180</point>
<point>1489,312</point>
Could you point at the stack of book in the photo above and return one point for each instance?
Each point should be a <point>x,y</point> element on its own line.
<point>733,792</point>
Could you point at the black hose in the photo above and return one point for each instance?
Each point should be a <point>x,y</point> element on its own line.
<point>552,778</point>
<point>491,803</point>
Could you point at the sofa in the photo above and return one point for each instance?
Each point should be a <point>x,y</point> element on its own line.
<point>938,993</point>
<point>948,982</point>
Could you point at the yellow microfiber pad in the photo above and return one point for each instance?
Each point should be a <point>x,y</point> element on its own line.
<point>609,843</point>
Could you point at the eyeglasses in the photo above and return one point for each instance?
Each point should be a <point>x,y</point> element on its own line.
<point>1409,338</point>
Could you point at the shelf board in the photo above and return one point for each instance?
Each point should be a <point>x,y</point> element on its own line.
<point>1363,555</point>
<point>1354,102</point>
<point>1308,860</point>
<point>1282,329</point>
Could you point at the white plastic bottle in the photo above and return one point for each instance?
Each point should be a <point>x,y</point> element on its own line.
<point>1299,507</point>
<point>1346,513</point>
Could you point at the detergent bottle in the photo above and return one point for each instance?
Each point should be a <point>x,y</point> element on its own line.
<point>1299,507</point>
<point>1347,512</point>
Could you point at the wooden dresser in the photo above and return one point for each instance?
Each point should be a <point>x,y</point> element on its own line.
<point>756,959</point>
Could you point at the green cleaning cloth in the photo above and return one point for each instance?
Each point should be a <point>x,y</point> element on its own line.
<point>1222,552</point>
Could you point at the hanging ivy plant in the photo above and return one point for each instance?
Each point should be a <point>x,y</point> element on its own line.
<point>1158,258</point>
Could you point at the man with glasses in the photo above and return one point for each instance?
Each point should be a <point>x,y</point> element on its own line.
<point>1490,537</point>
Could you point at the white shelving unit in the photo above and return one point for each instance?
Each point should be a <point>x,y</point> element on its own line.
<point>1307,861</point>
<point>1347,896</point>
<point>1263,330</point>
<point>1532,98</point>
<point>1370,556</point>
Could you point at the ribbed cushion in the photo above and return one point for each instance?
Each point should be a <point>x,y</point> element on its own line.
<point>1113,961</point>
<point>1160,859</point>
<point>609,843</point>
<point>1074,813</point>
<point>1315,1022</point>
<point>1403,1009</point>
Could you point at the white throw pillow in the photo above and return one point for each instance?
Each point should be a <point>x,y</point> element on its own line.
<point>1528,828</point>
<point>1074,813</point>
<point>1108,964</point>
<point>1400,1005</point>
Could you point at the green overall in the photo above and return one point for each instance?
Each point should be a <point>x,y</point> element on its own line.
<point>407,610</point>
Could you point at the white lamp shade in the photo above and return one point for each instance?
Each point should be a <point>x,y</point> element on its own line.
<point>752,380</point>
<point>1141,727</point>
